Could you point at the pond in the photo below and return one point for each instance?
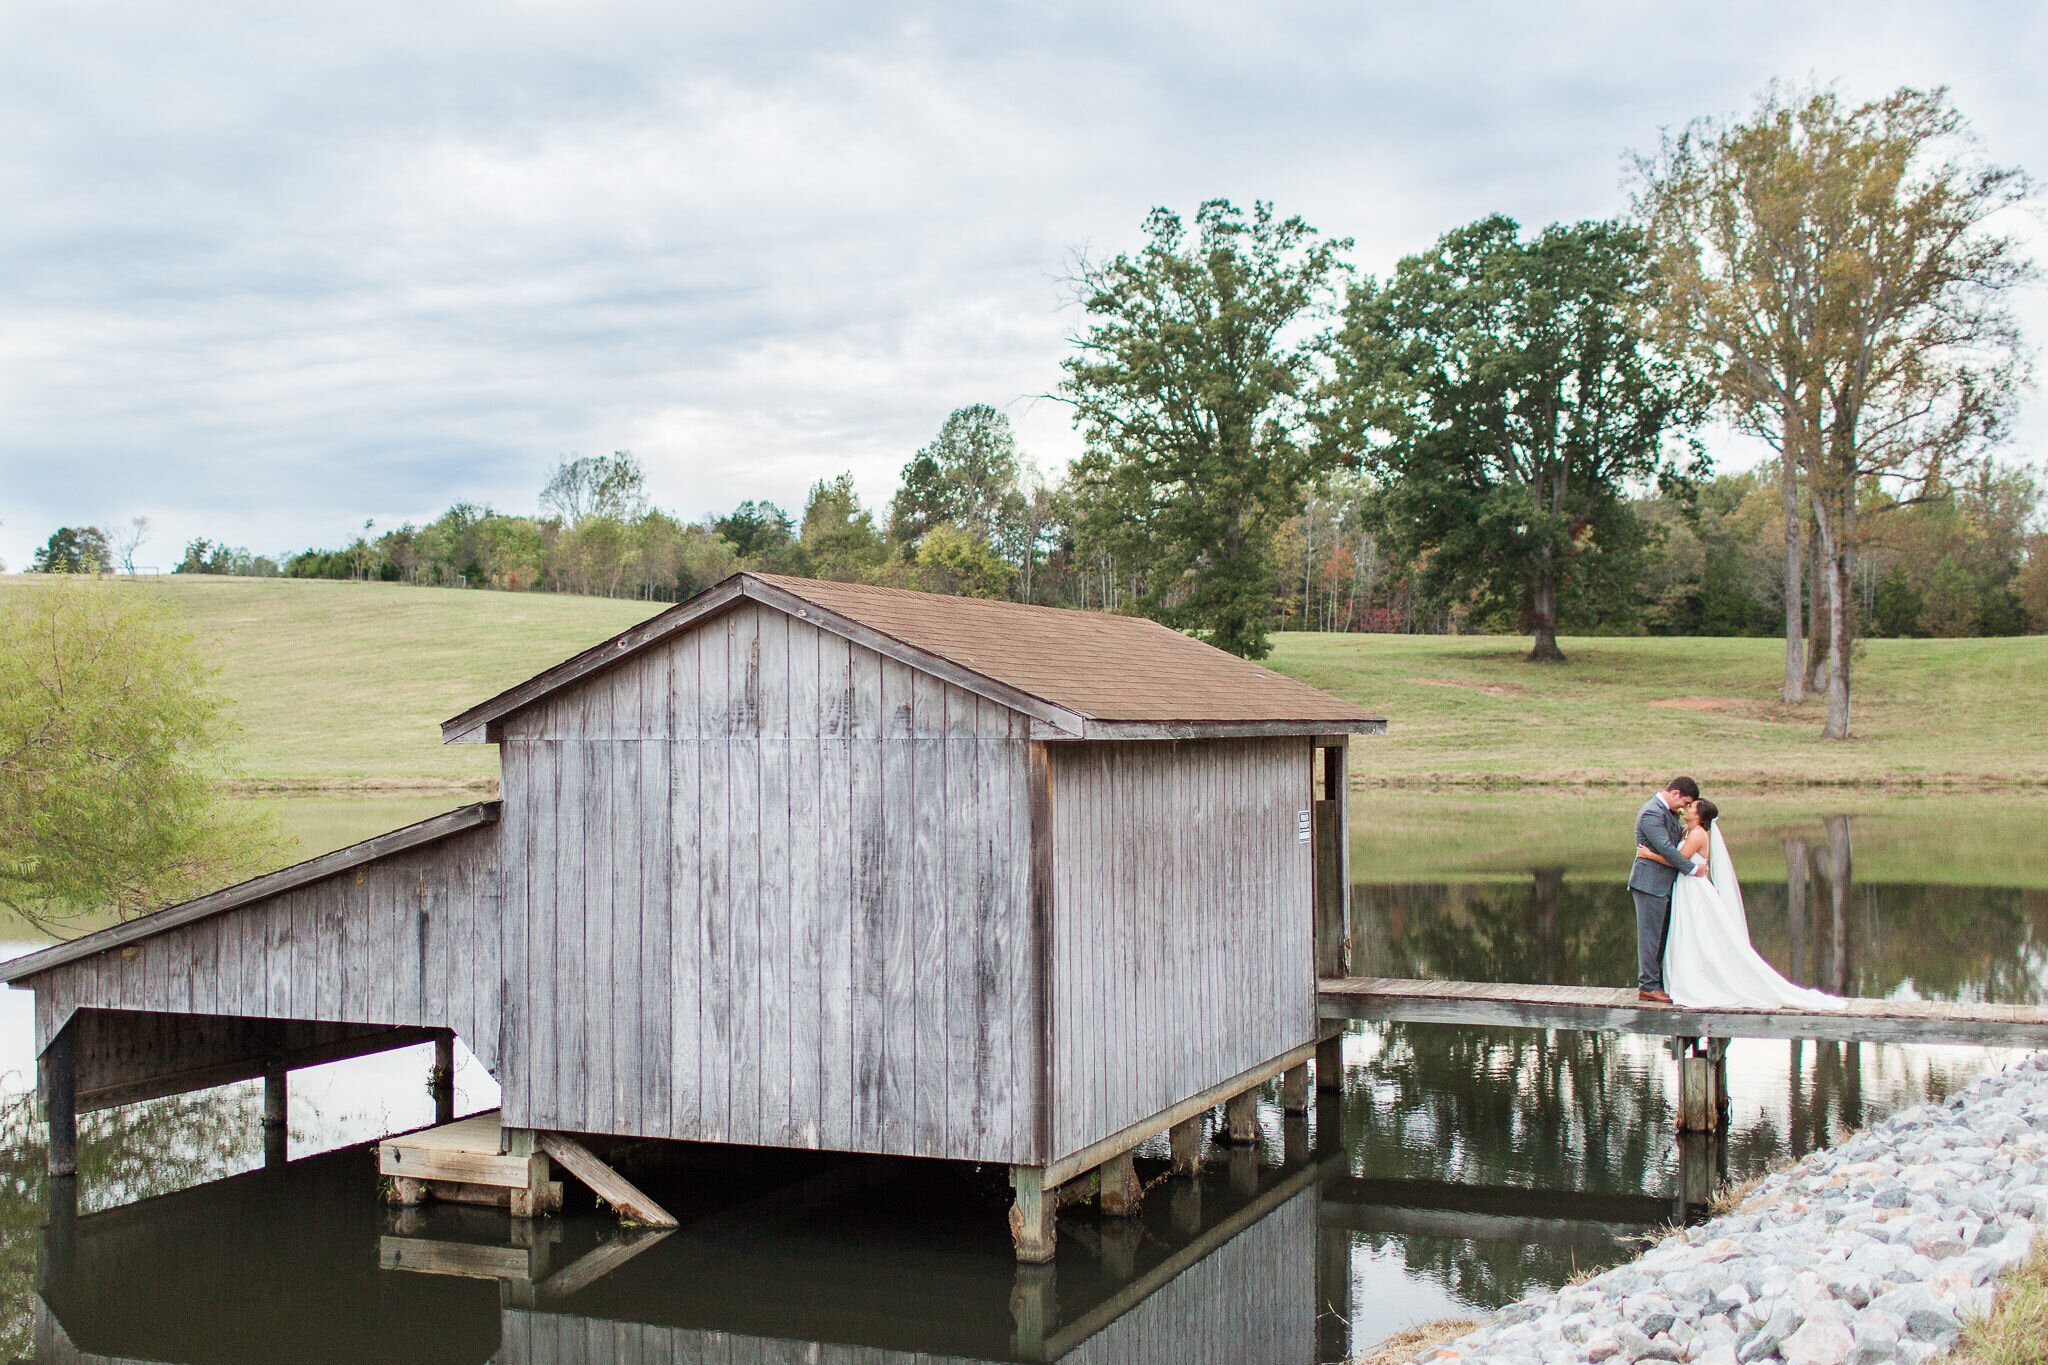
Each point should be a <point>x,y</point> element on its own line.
<point>1457,1168</point>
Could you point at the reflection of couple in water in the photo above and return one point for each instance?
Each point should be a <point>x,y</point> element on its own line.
<point>1692,934</point>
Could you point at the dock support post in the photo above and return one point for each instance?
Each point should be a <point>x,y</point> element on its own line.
<point>1329,1124</point>
<point>1034,1217</point>
<point>1185,1141</point>
<point>1333,1294</point>
<point>1121,1191</point>
<point>532,1201</point>
<point>1120,1243</point>
<point>1294,1089</point>
<point>1243,1166</point>
<point>1702,1072</point>
<point>1241,1116</point>
<point>441,1079</point>
<point>1034,1309</point>
<point>1187,1208</point>
<point>1294,1146</point>
<point>1330,1063</point>
<point>276,1093</point>
<point>60,1098</point>
<point>56,1267</point>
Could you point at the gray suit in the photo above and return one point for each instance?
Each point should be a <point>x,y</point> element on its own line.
<point>1658,829</point>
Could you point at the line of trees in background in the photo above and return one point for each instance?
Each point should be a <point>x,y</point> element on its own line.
<point>1500,435</point>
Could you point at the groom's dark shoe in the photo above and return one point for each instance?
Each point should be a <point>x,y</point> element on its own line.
<point>1653,997</point>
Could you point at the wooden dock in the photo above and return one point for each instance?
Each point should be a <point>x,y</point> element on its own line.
<point>476,1161</point>
<point>1603,1009</point>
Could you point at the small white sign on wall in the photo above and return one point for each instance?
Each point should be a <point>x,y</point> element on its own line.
<point>1301,827</point>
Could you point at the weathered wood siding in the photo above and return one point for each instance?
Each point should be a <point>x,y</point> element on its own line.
<point>410,939</point>
<point>766,886</point>
<point>1182,923</point>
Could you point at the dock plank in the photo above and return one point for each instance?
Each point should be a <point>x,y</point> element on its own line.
<point>1616,1010</point>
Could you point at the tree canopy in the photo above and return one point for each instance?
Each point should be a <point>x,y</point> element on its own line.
<point>74,549</point>
<point>1194,385</point>
<point>1505,394</point>
<point>110,746</point>
<point>1835,267</point>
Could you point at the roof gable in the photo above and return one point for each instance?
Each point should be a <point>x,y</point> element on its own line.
<point>1079,674</point>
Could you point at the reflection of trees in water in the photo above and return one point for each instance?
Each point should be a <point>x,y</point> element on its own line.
<point>1508,1107</point>
<point>1582,1111</point>
<point>1817,925</point>
<point>123,1154</point>
<point>1548,931</point>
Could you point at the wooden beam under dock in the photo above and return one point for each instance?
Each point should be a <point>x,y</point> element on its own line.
<point>1602,1009</point>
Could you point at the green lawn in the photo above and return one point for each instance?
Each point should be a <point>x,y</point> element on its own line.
<point>344,685</point>
<point>1467,710</point>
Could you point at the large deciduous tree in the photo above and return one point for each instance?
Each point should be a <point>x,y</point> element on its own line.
<point>967,477</point>
<point>1194,385</point>
<point>74,549</point>
<point>1505,393</point>
<point>110,741</point>
<point>1834,266</point>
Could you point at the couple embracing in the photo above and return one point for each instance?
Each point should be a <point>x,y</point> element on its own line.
<point>1692,934</point>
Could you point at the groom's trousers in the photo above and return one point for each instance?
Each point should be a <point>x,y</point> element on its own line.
<point>1653,926</point>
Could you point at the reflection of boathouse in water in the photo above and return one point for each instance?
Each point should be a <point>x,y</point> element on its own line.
<point>798,864</point>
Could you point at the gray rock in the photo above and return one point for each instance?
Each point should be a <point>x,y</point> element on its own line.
<point>1782,1323</point>
<point>1925,1318</point>
<point>1877,1341</point>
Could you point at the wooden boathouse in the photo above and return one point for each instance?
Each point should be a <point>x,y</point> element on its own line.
<point>799,864</point>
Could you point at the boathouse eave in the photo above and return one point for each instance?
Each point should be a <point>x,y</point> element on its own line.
<point>482,724</point>
<point>22,971</point>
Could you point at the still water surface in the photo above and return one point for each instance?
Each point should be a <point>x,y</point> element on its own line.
<point>1457,1169</point>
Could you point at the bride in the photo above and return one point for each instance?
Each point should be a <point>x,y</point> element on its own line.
<point>1709,962</point>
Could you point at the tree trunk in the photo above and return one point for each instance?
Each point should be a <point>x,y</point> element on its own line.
<point>1834,534</point>
<point>1816,611</point>
<point>1543,614</point>
<point>1795,641</point>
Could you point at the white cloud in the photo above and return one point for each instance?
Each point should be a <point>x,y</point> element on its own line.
<point>265,273</point>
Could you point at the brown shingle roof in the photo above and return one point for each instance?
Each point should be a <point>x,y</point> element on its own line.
<point>1116,668</point>
<point>1079,671</point>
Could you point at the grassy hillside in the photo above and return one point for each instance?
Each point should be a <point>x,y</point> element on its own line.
<point>344,685</point>
<point>1467,711</point>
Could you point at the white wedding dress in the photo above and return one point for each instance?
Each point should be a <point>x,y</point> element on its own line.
<point>1709,962</point>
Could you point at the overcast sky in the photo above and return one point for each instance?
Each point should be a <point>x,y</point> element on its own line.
<point>265,273</point>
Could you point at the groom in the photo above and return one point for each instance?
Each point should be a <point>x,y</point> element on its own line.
<point>1658,829</point>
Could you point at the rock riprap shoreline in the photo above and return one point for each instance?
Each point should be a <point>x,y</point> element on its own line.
<point>1870,1252</point>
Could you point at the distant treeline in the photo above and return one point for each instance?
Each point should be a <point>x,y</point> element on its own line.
<point>1960,559</point>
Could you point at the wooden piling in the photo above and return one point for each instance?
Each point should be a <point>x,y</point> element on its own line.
<point>1243,1166</point>
<point>1241,1116</point>
<point>441,1079</point>
<point>1330,1063</point>
<point>1333,1294</point>
<point>1185,1141</point>
<point>1121,1190</point>
<point>1332,918</point>
<point>1294,1140</point>
<point>276,1096</point>
<point>1294,1089</point>
<point>1034,1215</point>
<point>1034,1309</point>
<point>1700,1073</point>
<point>1186,1208</point>
<point>532,1201</point>
<point>60,1099</point>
